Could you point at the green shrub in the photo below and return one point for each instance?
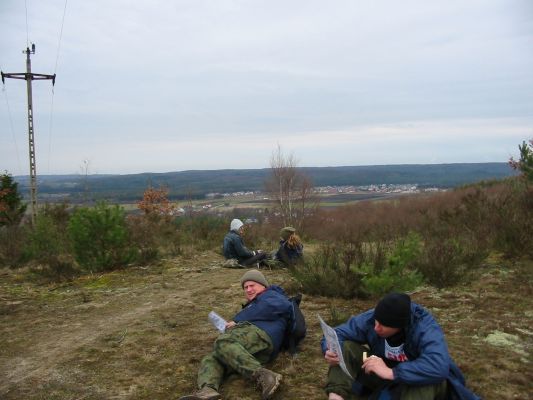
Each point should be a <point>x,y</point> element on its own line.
<point>398,274</point>
<point>99,237</point>
<point>48,246</point>
<point>329,273</point>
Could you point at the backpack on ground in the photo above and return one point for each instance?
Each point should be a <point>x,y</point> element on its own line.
<point>296,329</point>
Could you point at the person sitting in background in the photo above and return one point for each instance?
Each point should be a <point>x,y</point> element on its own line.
<point>291,248</point>
<point>252,339</point>
<point>234,247</point>
<point>408,359</point>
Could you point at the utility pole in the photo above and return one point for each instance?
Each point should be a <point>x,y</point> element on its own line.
<point>29,77</point>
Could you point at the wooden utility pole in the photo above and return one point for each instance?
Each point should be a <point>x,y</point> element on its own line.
<point>29,77</point>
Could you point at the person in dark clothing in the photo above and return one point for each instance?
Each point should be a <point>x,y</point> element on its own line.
<point>234,248</point>
<point>253,338</point>
<point>409,356</point>
<point>290,249</point>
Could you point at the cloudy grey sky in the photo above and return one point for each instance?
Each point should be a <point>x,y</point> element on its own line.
<point>157,86</point>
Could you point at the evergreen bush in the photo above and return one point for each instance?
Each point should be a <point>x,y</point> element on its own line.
<point>399,274</point>
<point>99,237</point>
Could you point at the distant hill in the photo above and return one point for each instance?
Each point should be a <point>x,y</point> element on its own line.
<point>196,184</point>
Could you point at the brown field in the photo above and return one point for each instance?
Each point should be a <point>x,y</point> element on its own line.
<point>140,333</point>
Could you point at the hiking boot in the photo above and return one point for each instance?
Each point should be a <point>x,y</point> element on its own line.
<point>205,393</point>
<point>268,381</point>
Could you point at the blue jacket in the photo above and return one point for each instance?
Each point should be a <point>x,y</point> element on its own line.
<point>269,311</point>
<point>425,347</point>
<point>234,247</point>
<point>289,255</point>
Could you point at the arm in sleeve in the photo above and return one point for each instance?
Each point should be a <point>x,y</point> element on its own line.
<point>355,329</point>
<point>270,308</point>
<point>432,365</point>
<point>240,248</point>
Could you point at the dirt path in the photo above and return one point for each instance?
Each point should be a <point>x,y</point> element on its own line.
<point>41,335</point>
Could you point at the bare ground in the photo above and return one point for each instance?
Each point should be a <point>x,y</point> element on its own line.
<point>141,333</point>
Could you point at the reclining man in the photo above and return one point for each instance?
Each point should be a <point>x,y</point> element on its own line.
<point>409,356</point>
<point>251,339</point>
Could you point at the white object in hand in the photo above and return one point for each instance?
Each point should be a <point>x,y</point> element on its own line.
<point>217,321</point>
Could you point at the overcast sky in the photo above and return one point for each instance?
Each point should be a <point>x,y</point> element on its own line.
<point>158,86</point>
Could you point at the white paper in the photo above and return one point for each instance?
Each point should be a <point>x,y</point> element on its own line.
<point>217,321</point>
<point>333,344</point>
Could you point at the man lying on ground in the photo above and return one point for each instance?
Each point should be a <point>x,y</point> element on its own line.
<point>252,339</point>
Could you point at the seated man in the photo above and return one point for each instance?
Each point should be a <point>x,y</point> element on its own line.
<point>408,356</point>
<point>234,247</point>
<point>291,249</point>
<point>251,339</point>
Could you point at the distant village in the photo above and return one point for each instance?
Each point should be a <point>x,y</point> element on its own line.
<point>335,190</point>
<point>212,204</point>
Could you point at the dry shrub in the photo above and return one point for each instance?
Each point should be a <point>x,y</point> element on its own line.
<point>12,242</point>
<point>458,229</point>
<point>153,235</point>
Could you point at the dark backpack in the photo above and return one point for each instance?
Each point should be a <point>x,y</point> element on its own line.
<point>296,329</point>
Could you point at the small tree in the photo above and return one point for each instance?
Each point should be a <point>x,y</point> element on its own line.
<point>525,163</point>
<point>100,237</point>
<point>290,188</point>
<point>11,207</point>
<point>155,201</point>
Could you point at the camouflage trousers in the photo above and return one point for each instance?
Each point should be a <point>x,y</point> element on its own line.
<point>370,386</point>
<point>242,349</point>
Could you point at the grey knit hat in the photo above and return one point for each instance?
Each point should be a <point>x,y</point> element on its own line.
<point>255,276</point>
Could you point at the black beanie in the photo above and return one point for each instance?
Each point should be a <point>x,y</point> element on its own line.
<point>394,310</point>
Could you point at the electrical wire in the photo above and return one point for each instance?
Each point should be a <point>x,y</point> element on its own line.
<point>27,29</point>
<point>60,34</point>
<point>51,123</point>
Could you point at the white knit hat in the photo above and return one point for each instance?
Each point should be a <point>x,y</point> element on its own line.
<point>235,225</point>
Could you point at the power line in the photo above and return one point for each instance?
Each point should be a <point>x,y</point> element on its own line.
<point>60,34</point>
<point>27,29</point>
<point>50,130</point>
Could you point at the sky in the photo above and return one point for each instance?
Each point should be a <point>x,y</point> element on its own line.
<point>161,86</point>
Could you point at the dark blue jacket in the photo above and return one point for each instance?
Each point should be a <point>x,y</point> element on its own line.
<point>269,311</point>
<point>234,247</point>
<point>289,255</point>
<point>425,346</point>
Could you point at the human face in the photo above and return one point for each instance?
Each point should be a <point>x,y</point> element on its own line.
<point>252,289</point>
<point>384,331</point>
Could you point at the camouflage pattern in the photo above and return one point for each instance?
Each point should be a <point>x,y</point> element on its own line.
<point>243,349</point>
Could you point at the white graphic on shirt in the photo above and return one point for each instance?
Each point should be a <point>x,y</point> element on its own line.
<point>395,353</point>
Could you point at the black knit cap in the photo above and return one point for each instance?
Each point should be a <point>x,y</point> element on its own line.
<point>394,310</point>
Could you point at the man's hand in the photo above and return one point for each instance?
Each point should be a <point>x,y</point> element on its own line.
<point>331,358</point>
<point>230,324</point>
<point>377,365</point>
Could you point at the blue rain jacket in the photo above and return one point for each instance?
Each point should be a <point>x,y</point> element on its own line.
<point>270,311</point>
<point>425,346</point>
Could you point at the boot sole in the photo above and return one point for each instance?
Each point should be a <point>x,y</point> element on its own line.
<point>194,397</point>
<point>274,388</point>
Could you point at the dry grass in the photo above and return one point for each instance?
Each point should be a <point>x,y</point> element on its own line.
<point>141,333</point>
